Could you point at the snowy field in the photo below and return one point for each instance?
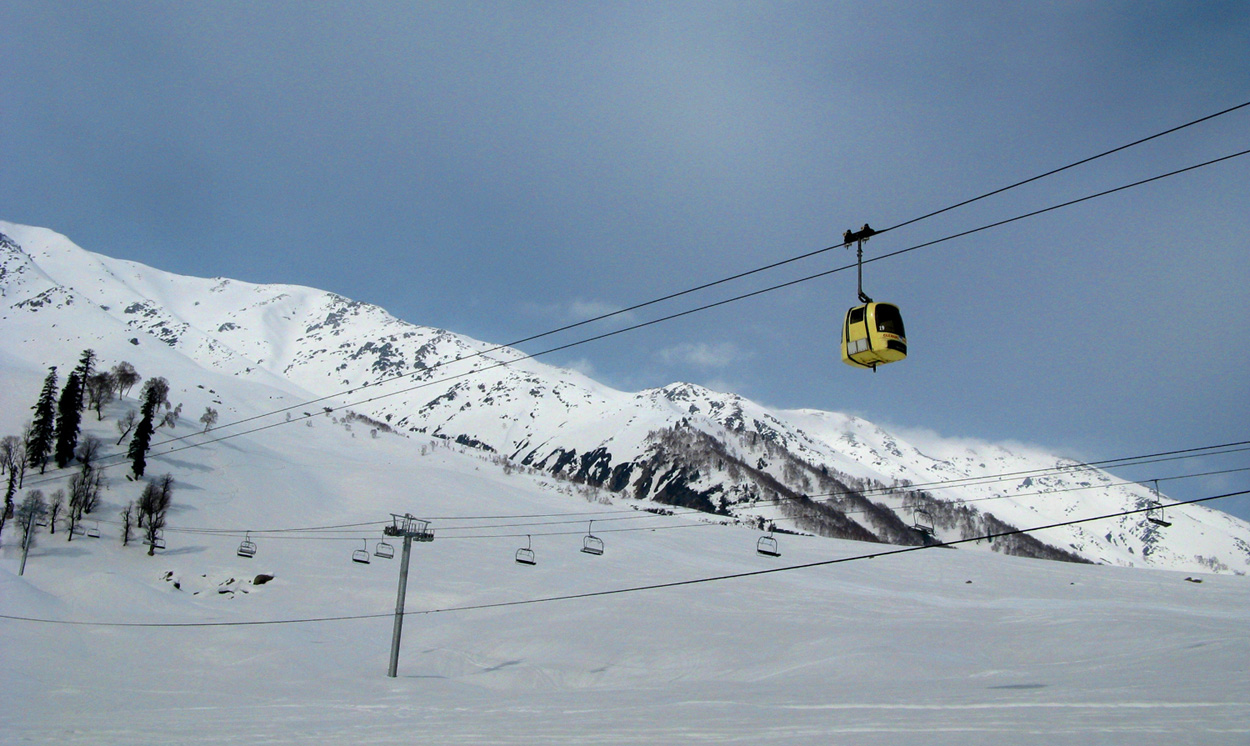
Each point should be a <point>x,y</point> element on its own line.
<point>940,646</point>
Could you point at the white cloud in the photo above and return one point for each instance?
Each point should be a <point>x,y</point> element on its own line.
<point>583,366</point>
<point>702,355</point>
<point>576,310</point>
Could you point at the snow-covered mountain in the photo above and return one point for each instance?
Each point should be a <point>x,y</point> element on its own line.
<point>681,445</point>
<point>679,632</point>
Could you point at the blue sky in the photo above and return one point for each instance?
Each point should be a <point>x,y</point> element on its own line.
<point>499,169</point>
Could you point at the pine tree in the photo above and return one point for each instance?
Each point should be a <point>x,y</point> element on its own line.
<point>43,428</point>
<point>153,396</point>
<point>86,366</point>
<point>12,459</point>
<point>68,420</point>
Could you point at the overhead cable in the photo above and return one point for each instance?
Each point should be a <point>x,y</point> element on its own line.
<point>620,591</point>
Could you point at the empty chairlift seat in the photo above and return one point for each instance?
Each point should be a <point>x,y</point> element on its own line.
<point>1154,509</point>
<point>247,548</point>
<point>525,555</point>
<point>592,544</point>
<point>922,522</point>
<point>767,546</point>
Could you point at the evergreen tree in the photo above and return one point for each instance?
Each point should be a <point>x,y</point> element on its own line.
<point>12,462</point>
<point>68,420</point>
<point>86,366</point>
<point>153,395</point>
<point>43,428</point>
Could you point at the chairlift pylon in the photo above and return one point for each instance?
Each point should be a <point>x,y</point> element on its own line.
<point>247,548</point>
<point>362,555</point>
<point>525,556</point>
<point>592,544</point>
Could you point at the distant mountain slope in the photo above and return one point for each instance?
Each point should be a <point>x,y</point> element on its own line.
<point>681,444</point>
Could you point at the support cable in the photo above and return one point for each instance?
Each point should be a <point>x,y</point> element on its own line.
<point>635,513</point>
<point>755,271</point>
<point>620,591</point>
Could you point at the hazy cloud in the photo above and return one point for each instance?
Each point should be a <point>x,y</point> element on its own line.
<point>576,310</point>
<point>702,354</point>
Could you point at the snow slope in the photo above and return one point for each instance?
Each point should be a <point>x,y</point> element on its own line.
<point>934,646</point>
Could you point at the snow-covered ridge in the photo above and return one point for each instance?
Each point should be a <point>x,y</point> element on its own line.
<point>681,443</point>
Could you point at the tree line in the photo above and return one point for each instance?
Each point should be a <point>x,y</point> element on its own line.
<point>54,435</point>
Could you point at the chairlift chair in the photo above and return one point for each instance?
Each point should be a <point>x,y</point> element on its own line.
<point>1156,515</point>
<point>157,543</point>
<point>525,555</point>
<point>362,555</point>
<point>767,545</point>
<point>384,550</point>
<point>922,522</point>
<point>592,544</point>
<point>247,548</point>
<point>1154,509</point>
<point>94,531</point>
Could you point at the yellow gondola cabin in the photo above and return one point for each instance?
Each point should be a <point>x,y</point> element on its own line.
<point>873,335</point>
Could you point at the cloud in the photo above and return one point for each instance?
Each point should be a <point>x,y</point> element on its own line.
<point>702,355</point>
<point>583,366</point>
<point>575,311</point>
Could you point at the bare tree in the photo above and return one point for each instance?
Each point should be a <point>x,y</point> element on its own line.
<point>55,506</point>
<point>124,377</point>
<point>171,416</point>
<point>29,515</point>
<point>209,418</point>
<point>153,505</point>
<point>126,424</point>
<point>89,451</point>
<point>101,389</point>
<point>84,494</point>
<point>33,507</point>
<point>127,522</point>
<point>78,496</point>
<point>23,456</point>
<point>155,389</point>
<point>86,485</point>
